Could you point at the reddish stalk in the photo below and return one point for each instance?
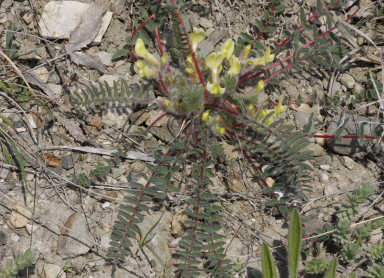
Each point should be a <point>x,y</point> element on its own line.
<point>158,39</point>
<point>134,34</point>
<point>193,54</point>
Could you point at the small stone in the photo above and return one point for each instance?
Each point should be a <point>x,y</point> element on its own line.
<point>14,237</point>
<point>348,162</point>
<point>319,140</point>
<point>347,80</point>
<point>20,217</point>
<point>305,108</point>
<point>154,118</point>
<point>41,73</point>
<point>324,178</point>
<point>326,167</point>
<point>56,89</point>
<point>316,149</point>
<point>205,23</point>
<point>174,243</point>
<point>302,119</point>
<point>54,271</point>
<point>270,182</point>
<point>68,161</point>
<point>4,172</point>
<point>105,58</point>
<point>30,229</point>
<point>114,119</point>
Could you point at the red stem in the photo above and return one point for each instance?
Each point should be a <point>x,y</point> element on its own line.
<point>195,62</point>
<point>134,34</point>
<point>159,41</point>
<point>242,80</point>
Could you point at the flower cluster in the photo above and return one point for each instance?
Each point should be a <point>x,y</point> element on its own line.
<point>216,63</point>
<point>147,68</point>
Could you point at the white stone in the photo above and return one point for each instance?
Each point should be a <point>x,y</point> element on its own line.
<point>348,162</point>
<point>30,229</point>
<point>60,18</point>
<point>325,167</point>
<point>324,177</point>
<point>54,271</point>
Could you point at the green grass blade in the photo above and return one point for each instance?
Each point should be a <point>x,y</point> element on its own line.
<point>268,263</point>
<point>331,273</point>
<point>294,244</point>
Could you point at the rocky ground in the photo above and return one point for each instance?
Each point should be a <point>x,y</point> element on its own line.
<point>72,225</point>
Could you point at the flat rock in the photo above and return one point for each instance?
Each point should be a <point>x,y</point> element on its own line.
<point>75,239</point>
<point>348,146</point>
<point>60,18</point>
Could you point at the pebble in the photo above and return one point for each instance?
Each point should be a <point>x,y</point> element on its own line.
<point>20,217</point>
<point>68,161</point>
<point>347,80</point>
<point>326,167</point>
<point>348,162</point>
<point>105,58</point>
<point>41,73</point>
<point>319,140</point>
<point>270,182</point>
<point>316,149</point>
<point>324,177</point>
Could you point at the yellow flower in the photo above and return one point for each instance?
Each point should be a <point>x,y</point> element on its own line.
<point>142,52</point>
<point>235,65</point>
<point>142,69</point>
<point>206,115</point>
<point>262,61</point>
<point>260,86</point>
<point>214,61</point>
<point>220,130</point>
<point>196,37</point>
<point>190,61</point>
<point>227,48</point>
<point>190,71</point>
<point>252,107</point>
<point>280,108</point>
<point>215,89</point>
<point>168,103</point>
<point>164,59</point>
<point>246,52</point>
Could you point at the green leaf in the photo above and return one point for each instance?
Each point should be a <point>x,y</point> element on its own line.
<point>331,273</point>
<point>302,15</point>
<point>280,8</point>
<point>268,263</point>
<point>294,244</point>
<point>119,53</point>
